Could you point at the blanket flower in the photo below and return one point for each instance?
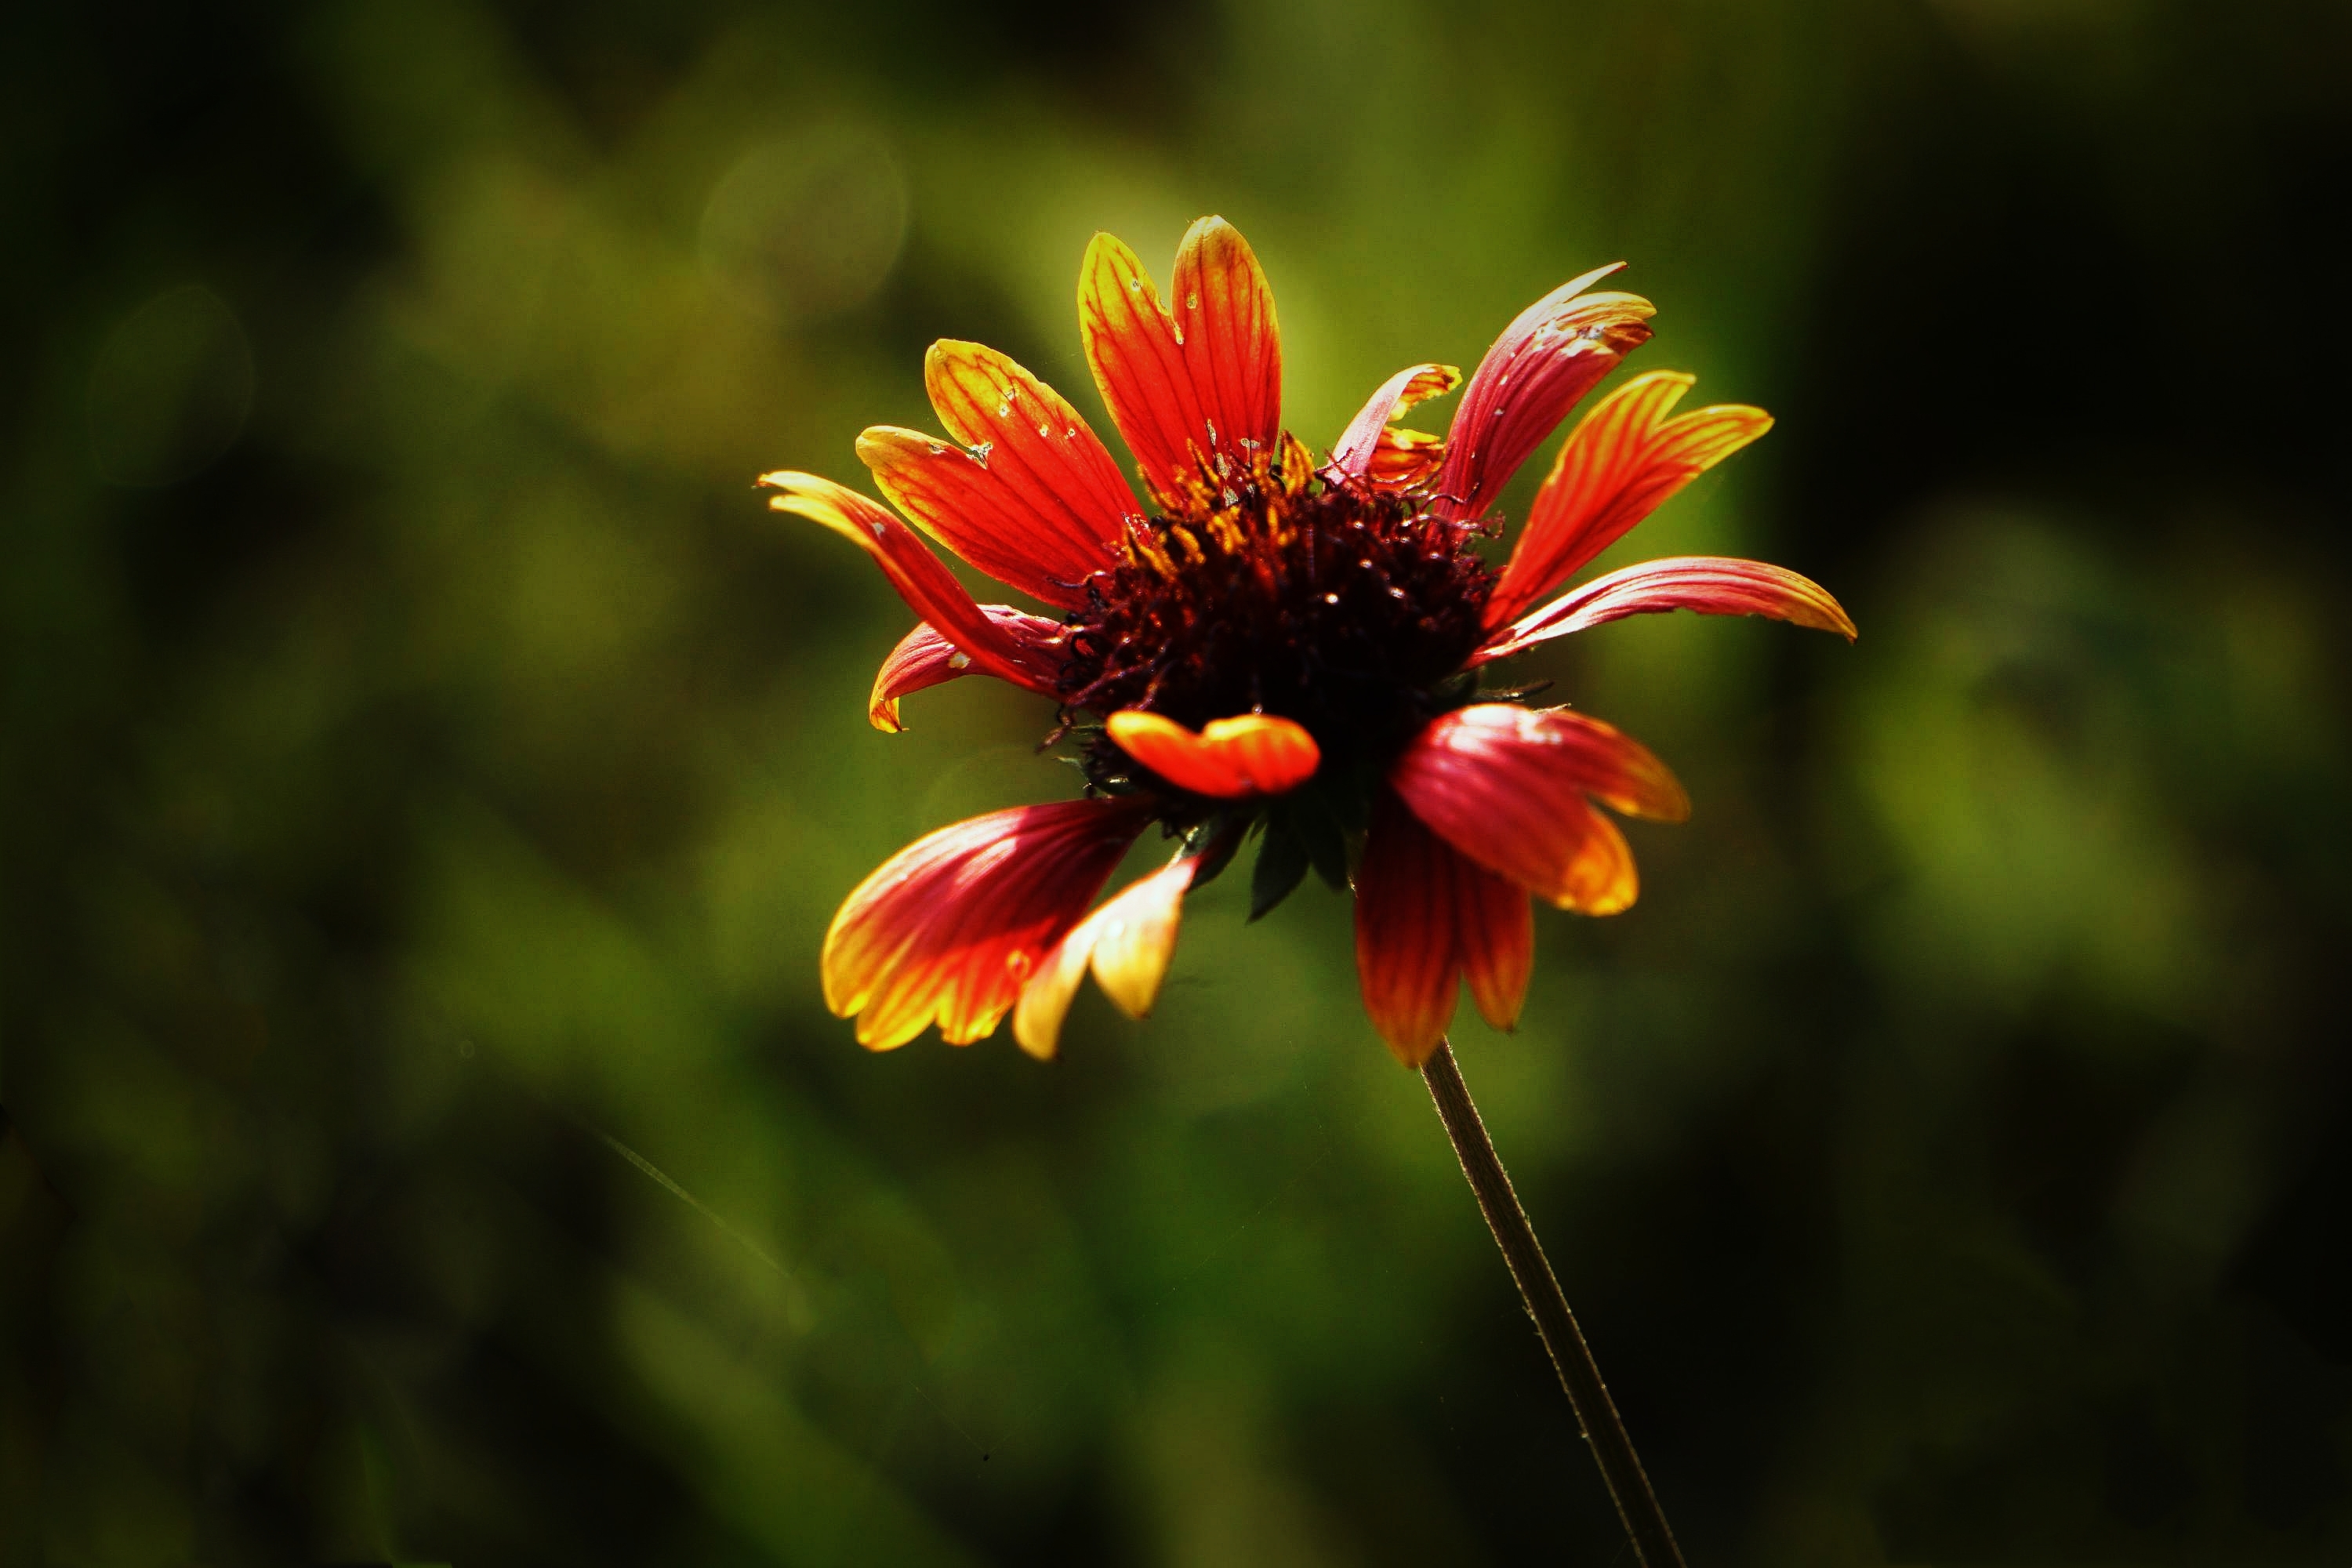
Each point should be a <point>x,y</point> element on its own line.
<point>1260,645</point>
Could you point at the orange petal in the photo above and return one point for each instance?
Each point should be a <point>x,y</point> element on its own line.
<point>1252,754</point>
<point>1550,355</point>
<point>950,928</point>
<point>1132,346</point>
<point>951,495</point>
<point>924,659</point>
<point>930,589</point>
<point>1128,941</point>
<point>1507,786</point>
<point>1225,313</point>
<point>1618,465</point>
<point>1187,387</point>
<point>1041,453</point>
<point>1710,584</point>
<point>1392,459</point>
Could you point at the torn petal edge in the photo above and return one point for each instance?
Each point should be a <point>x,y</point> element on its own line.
<point>1356,453</point>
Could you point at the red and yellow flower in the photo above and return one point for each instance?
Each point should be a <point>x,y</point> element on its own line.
<point>1263,645</point>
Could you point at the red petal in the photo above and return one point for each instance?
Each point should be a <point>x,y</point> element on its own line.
<point>1425,918</point>
<point>1359,452</point>
<point>1041,452</point>
<point>1545,361</point>
<point>1404,933</point>
<point>1494,932</point>
<point>1186,388</point>
<point>1711,584</point>
<point>1129,942</point>
<point>930,589</point>
<point>924,659</point>
<point>1139,361</point>
<point>1224,310</point>
<point>951,492</point>
<point>1251,753</point>
<point>1537,744</point>
<point>951,926</point>
<point>1506,786</point>
<point>1619,465</point>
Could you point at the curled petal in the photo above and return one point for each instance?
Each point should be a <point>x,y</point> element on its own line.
<point>1508,786</point>
<point>1187,386</point>
<point>1426,917</point>
<point>1252,754</point>
<point>1556,743</point>
<point>1710,584</point>
<point>1393,460</point>
<point>924,659</point>
<point>1618,465</point>
<point>930,589</point>
<point>1128,941</point>
<point>951,927</point>
<point>1546,360</point>
<point>1405,458</point>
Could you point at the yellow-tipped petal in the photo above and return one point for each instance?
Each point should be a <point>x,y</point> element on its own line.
<point>1129,942</point>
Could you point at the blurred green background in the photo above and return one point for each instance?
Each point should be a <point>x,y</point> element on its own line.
<point>428,773</point>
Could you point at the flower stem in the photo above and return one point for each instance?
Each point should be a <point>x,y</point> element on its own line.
<point>1637,1505</point>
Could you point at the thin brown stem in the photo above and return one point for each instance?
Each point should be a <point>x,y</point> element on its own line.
<point>1604,1429</point>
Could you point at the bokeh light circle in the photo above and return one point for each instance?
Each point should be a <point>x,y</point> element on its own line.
<point>806,226</point>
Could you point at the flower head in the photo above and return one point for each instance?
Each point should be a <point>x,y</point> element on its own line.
<point>1264,646</point>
